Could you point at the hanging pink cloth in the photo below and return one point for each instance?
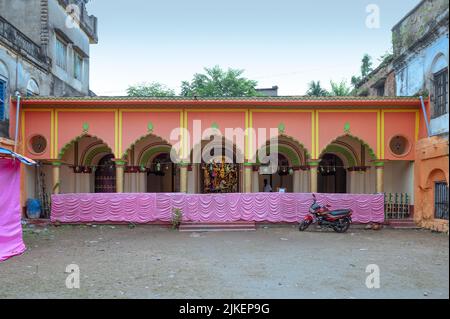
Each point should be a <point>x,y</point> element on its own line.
<point>11,242</point>
<point>258,207</point>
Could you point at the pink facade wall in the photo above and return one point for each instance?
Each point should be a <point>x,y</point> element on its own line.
<point>37,122</point>
<point>396,123</point>
<point>223,120</point>
<point>297,125</point>
<point>135,125</point>
<point>101,124</point>
<point>363,125</point>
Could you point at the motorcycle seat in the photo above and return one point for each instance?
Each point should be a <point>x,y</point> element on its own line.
<point>340,212</point>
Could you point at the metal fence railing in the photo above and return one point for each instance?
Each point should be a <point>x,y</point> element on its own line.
<point>397,205</point>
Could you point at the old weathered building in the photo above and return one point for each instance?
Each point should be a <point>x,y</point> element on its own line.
<point>419,67</point>
<point>380,82</point>
<point>44,50</point>
<point>420,43</point>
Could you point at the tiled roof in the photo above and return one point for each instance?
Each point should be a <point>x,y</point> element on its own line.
<point>234,99</point>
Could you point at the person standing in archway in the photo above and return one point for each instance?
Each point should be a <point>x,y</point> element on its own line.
<point>267,187</point>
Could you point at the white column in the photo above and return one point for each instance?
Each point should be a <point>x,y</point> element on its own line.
<point>304,181</point>
<point>142,182</point>
<point>255,182</point>
<point>297,181</point>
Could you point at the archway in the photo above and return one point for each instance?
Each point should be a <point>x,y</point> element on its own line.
<point>150,168</point>
<point>105,175</point>
<point>352,161</point>
<point>219,170</point>
<point>161,174</point>
<point>80,158</point>
<point>290,173</point>
<point>332,175</point>
<point>282,178</point>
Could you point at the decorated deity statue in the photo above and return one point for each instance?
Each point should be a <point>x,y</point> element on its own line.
<point>206,179</point>
<point>222,168</point>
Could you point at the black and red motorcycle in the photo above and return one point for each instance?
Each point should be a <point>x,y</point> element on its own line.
<point>339,220</point>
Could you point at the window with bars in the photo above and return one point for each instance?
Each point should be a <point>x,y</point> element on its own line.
<point>61,54</point>
<point>2,99</point>
<point>441,200</point>
<point>440,82</point>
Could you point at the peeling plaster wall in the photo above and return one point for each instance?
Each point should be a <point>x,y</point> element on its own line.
<point>415,76</point>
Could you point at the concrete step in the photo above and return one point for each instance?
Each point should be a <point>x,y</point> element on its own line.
<point>407,223</point>
<point>215,227</point>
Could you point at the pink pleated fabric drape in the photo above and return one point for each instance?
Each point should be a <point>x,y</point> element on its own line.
<point>258,207</point>
<point>11,242</point>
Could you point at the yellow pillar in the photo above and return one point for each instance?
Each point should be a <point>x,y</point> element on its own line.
<point>56,177</point>
<point>183,177</point>
<point>313,175</point>
<point>380,177</point>
<point>120,172</point>
<point>248,170</point>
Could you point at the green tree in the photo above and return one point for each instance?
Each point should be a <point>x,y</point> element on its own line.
<point>217,82</point>
<point>340,89</point>
<point>314,89</point>
<point>150,89</point>
<point>355,80</point>
<point>366,65</point>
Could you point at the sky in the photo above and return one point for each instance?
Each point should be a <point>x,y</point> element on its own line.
<point>286,43</point>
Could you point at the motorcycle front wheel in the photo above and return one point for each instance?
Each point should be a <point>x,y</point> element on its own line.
<point>304,225</point>
<point>342,225</point>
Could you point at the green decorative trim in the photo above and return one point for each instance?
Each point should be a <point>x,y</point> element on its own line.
<point>281,128</point>
<point>67,146</point>
<point>57,163</point>
<point>313,163</point>
<point>125,154</point>
<point>378,164</point>
<point>291,155</point>
<point>248,164</point>
<point>351,161</point>
<point>347,128</point>
<point>150,127</point>
<point>120,162</point>
<point>153,151</point>
<point>369,149</point>
<point>94,152</point>
<point>183,164</point>
<point>85,127</point>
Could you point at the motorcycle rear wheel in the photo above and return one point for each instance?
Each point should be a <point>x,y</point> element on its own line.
<point>304,225</point>
<point>342,226</point>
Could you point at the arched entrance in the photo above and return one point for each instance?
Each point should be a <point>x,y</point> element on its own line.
<point>290,174</point>
<point>220,168</point>
<point>280,180</point>
<point>332,175</point>
<point>161,175</point>
<point>105,175</point>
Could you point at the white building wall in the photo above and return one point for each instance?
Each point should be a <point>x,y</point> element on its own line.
<point>399,177</point>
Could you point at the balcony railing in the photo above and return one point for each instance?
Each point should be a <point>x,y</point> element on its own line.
<point>397,205</point>
<point>19,41</point>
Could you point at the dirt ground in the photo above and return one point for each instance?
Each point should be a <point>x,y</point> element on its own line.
<point>275,262</point>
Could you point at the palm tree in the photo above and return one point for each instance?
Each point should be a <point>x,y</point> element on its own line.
<point>314,89</point>
<point>340,89</point>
